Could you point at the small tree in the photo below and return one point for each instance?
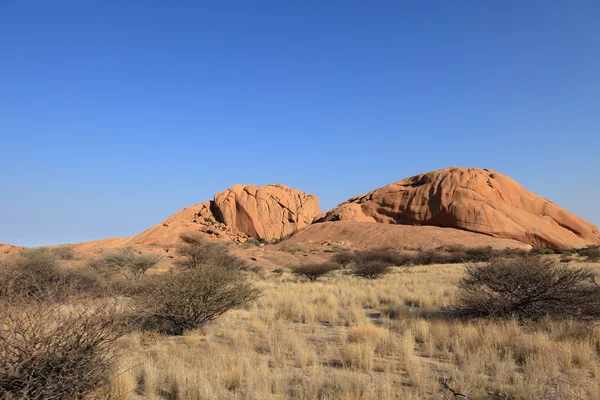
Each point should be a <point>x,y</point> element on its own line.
<point>198,252</point>
<point>127,262</point>
<point>528,288</point>
<point>371,269</point>
<point>314,270</point>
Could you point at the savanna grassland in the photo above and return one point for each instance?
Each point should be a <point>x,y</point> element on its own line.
<point>373,324</point>
<point>348,338</point>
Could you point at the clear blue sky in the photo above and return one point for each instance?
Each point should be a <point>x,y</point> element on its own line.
<point>116,114</point>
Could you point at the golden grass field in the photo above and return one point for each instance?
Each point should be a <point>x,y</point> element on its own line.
<point>348,338</point>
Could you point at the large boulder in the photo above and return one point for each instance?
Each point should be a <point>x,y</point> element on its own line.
<point>472,199</point>
<point>238,214</point>
<point>264,212</point>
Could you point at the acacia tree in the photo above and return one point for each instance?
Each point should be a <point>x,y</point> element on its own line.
<point>528,288</point>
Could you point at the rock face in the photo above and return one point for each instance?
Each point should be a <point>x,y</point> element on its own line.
<point>264,212</point>
<point>238,214</point>
<point>476,200</point>
<point>344,234</point>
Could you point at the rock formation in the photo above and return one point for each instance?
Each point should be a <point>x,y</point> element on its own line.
<point>264,212</point>
<point>476,200</point>
<point>238,214</point>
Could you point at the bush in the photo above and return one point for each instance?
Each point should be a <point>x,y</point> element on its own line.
<point>528,288</point>
<point>479,254</point>
<point>591,253</point>
<point>314,270</point>
<point>34,275</point>
<point>186,300</point>
<point>52,353</point>
<point>371,269</point>
<point>539,250</point>
<point>198,252</point>
<point>511,253</point>
<point>428,257</point>
<point>384,255</point>
<point>127,262</point>
<point>63,252</point>
<point>343,258</point>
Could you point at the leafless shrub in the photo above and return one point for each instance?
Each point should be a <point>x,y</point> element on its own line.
<point>371,269</point>
<point>63,252</point>
<point>51,352</point>
<point>199,252</point>
<point>528,288</point>
<point>34,275</point>
<point>314,270</point>
<point>186,300</point>
<point>126,262</point>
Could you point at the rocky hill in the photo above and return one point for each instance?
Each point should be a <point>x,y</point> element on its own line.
<point>470,199</point>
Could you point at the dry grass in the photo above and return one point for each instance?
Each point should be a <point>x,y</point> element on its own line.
<point>349,338</point>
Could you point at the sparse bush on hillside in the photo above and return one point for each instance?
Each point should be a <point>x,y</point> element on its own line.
<point>126,262</point>
<point>591,253</point>
<point>51,352</point>
<point>479,254</point>
<point>198,252</point>
<point>528,288</point>
<point>182,301</point>
<point>539,250</point>
<point>371,269</point>
<point>428,257</point>
<point>511,252</point>
<point>343,258</point>
<point>439,255</point>
<point>63,252</point>
<point>314,270</point>
<point>383,255</point>
<point>34,275</point>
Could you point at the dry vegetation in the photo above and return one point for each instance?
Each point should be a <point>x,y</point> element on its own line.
<point>237,334</point>
<point>342,337</point>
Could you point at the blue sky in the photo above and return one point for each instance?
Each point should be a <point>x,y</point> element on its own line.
<point>116,114</point>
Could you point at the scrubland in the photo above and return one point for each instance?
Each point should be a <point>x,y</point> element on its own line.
<point>348,338</point>
<point>356,331</point>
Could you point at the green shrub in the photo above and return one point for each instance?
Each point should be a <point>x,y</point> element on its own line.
<point>183,301</point>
